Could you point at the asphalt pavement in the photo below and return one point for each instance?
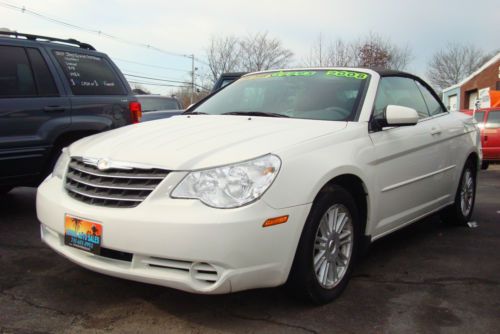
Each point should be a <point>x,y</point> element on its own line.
<point>427,278</point>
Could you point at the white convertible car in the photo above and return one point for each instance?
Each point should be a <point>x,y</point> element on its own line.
<point>281,177</point>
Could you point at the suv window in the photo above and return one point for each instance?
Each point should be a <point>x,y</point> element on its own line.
<point>433,105</point>
<point>16,78</point>
<point>493,121</point>
<point>402,92</point>
<point>44,81</point>
<point>88,74</point>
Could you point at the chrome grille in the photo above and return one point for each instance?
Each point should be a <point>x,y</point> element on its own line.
<point>120,187</point>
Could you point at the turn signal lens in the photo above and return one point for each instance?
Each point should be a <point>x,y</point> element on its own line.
<point>275,221</point>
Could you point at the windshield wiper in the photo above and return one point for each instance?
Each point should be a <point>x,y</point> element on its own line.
<point>255,113</point>
<point>194,113</point>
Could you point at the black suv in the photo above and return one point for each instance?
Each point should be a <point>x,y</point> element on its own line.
<point>53,92</point>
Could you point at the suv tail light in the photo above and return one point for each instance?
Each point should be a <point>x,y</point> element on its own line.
<point>135,111</point>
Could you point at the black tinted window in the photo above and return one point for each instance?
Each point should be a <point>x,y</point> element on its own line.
<point>44,80</point>
<point>493,120</point>
<point>431,102</point>
<point>88,74</point>
<point>16,78</point>
<point>401,92</point>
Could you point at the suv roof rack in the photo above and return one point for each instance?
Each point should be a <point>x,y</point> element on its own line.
<point>49,39</point>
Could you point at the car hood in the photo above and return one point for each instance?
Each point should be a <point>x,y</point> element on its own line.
<point>200,141</point>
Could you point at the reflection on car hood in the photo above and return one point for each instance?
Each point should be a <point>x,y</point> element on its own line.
<point>200,141</point>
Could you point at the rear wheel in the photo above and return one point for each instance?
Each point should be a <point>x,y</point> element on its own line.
<point>327,248</point>
<point>460,211</point>
<point>485,165</point>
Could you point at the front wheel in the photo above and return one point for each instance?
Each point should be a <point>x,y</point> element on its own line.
<point>327,248</point>
<point>460,212</point>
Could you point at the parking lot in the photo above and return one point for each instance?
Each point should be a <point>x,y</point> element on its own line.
<point>429,277</point>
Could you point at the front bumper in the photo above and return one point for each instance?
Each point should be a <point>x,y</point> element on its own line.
<point>179,243</point>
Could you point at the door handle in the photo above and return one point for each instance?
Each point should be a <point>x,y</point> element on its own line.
<point>435,131</point>
<point>54,109</point>
<point>485,138</point>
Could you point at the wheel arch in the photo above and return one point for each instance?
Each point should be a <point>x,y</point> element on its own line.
<point>358,189</point>
<point>61,141</point>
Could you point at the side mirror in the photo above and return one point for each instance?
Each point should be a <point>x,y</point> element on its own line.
<point>400,116</point>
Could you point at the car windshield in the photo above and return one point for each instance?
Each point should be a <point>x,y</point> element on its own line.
<point>332,95</point>
<point>479,117</point>
<point>157,103</point>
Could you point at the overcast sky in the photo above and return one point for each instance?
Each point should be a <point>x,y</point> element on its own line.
<point>185,26</point>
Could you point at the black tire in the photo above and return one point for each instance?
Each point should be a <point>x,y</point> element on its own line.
<point>303,281</point>
<point>454,214</point>
<point>485,165</point>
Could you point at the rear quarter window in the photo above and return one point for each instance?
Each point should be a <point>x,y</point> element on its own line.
<point>493,120</point>
<point>89,74</point>
<point>16,77</point>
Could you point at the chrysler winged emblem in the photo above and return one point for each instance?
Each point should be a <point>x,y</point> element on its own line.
<point>102,164</point>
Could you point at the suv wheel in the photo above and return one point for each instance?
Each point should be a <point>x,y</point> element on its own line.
<point>460,211</point>
<point>328,247</point>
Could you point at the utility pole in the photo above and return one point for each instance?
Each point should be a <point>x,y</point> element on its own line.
<point>192,78</point>
<point>320,51</point>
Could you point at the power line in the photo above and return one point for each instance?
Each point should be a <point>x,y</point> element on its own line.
<point>155,84</point>
<point>149,65</point>
<point>25,10</point>
<point>157,79</point>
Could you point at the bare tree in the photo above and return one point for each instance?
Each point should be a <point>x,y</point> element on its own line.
<point>336,53</point>
<point>452,64</point>
<point>183,95</point>
<point>223,55</point>
<point>376,51</point>
<point>370,51</point>
<point>139,89</point>
<point>260,52</point>
<point>341,53</point>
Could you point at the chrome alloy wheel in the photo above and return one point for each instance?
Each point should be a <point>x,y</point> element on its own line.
<point>333,246</point>
<point>467,193</point>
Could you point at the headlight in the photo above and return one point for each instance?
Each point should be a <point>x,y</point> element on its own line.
<point>230,186</point>
<point>61,164</point>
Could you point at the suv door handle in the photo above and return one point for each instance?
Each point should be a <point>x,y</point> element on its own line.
<point>435,131</point>
<point>54,109</point>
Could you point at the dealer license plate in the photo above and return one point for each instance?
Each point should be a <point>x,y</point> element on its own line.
<point>82,234</point>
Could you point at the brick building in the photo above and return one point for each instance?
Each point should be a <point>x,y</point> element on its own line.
<point>482,85</point>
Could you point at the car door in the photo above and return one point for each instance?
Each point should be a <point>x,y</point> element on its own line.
<point>408,158</point>
<point>491,137</point>
<point>31,107</point>
<point>451,141</point>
